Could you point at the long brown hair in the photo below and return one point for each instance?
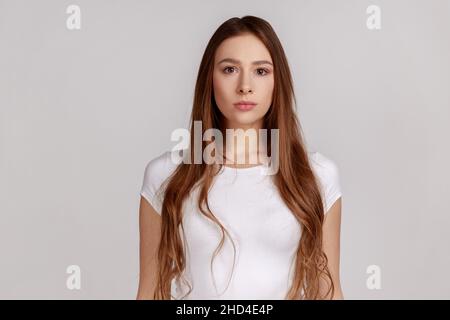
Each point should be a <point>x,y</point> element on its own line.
<point>295,180</point>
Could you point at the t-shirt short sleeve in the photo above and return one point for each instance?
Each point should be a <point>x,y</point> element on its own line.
<point>156,172</point>
<point>328,173</point>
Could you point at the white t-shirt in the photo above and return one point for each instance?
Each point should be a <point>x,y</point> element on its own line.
<point>264,230</point>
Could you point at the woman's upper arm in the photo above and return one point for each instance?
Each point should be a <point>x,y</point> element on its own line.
<point>149,238</point>
<point>331,244</point>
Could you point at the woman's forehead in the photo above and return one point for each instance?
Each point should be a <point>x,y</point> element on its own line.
<point>243,49</point>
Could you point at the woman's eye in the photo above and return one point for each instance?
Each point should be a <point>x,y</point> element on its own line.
<point>228,68</point>
<point>262,72</point>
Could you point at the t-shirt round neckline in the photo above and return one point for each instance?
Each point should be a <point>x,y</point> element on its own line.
<point>246,170</point>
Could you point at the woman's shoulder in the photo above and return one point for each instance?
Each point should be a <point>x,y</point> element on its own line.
<point>321,163</point>
<point>327,172</point>
<point>156,173</point>
<point>162,165</point>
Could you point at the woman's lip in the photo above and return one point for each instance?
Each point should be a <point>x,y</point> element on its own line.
<point>245,102</point>
<point>245,107</point>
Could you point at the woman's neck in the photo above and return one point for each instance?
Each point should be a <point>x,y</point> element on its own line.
<point>242,149</point>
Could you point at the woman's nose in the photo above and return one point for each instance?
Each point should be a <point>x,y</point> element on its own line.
<point>245,90</point>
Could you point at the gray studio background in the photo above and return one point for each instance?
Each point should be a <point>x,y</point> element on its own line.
<point>83,111</point>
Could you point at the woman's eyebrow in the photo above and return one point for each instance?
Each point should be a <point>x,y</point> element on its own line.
<point>231,60</point>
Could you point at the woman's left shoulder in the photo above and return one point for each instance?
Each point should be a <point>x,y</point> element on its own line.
<point>323,164</point>
<point>327,171</point>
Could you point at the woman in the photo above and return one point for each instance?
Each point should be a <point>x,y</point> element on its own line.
<point>216,231</point>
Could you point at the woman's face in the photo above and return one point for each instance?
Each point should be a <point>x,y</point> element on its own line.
<point>243,71</point>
